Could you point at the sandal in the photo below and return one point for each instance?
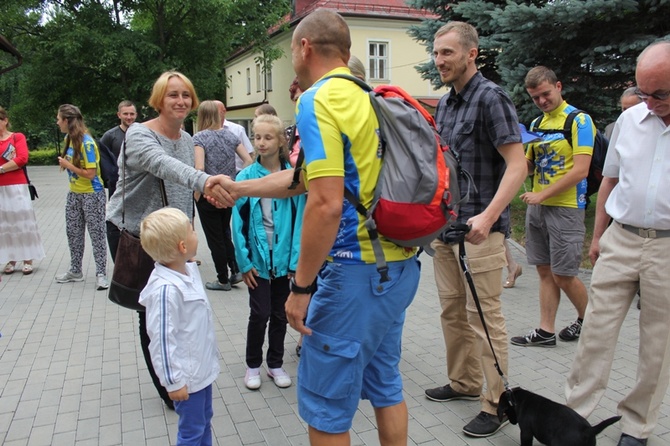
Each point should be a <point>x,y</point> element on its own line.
<point>511,279</point>
<point>27,268</point>
<point>9,267</point>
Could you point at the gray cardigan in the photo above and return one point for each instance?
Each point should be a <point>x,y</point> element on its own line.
<point>151,156</point>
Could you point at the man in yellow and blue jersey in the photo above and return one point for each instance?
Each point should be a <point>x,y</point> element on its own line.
<point>351,349</point>
<point>555,214</point>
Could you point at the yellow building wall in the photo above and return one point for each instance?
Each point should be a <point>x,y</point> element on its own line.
<point>404,54</point>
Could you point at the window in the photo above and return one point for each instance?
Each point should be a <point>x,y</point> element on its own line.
<point>268,80</point>
<point>378,60</point>
<point>259,78</point>
<point>248,80</point>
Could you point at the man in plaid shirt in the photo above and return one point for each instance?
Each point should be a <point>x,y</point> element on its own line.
<point>478,120</point>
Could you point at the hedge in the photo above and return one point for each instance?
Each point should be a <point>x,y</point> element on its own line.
<point>43,157</point>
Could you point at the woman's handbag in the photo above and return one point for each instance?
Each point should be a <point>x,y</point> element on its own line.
<point>132,265</point>
<point>132,269</point>
<point>33,191</point>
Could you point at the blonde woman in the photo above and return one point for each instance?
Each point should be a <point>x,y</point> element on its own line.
<point>159,149</point>
<point>215,150</point>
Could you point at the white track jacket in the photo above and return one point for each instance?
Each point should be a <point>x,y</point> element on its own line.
<point>179,322</point>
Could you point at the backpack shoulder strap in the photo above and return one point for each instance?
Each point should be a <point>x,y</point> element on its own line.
<point>301,155</point>
<point>567,127</point>
<point>298,168</point>
<point>353,79</point>
<point>535,123</point>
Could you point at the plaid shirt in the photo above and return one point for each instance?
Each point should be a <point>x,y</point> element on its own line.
<point>474,123</point>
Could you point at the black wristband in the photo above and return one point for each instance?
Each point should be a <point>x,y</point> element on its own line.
<point>299,289</point>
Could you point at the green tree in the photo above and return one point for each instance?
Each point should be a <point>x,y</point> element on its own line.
<point>94,53</point>
<point>592,45</point>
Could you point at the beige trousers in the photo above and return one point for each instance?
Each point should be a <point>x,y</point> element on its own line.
<point>469,357</point>
<point>625,259</point>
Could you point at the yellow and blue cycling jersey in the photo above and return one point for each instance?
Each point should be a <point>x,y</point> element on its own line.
<point>90,159</point>
<point>553,156</point>
<point>340,138</point>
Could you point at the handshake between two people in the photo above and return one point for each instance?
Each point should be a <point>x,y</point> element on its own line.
<point>220,191</point>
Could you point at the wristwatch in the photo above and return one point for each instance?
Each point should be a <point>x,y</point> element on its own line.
<point>2,169</point>
<point>300,289</point>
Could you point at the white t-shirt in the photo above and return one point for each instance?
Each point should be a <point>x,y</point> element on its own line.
<point>241,134</point>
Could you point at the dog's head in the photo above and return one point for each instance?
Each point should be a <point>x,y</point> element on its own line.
<point>506,406</point>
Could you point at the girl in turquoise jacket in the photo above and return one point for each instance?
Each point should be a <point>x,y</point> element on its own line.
<point>266,234</point>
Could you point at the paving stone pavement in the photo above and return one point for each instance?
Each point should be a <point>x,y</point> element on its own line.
<point>72,371</point>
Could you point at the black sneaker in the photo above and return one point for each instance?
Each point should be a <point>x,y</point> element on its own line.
<point>484,425</point>
<point>446,393</point>
<point>534,339</point>
<point>571,332</point>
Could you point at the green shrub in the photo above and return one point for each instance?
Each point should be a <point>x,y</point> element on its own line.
<point>43,157</point>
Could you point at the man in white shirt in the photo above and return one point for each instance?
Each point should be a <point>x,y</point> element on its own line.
<point>631,252</point>
<point>239,131</point>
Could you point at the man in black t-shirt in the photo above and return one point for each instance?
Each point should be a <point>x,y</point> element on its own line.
<point>113,139</point>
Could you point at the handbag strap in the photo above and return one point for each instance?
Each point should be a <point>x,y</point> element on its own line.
<point>25,170</point>
<point>161,185</point>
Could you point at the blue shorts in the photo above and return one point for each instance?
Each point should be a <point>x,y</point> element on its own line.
<point>195,418</point>
<point>354,350</point>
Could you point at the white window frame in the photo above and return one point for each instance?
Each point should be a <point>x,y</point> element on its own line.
<point>259,78</point>
<point>248,80</point>
<point>374,60</point>
<point>268,80</point>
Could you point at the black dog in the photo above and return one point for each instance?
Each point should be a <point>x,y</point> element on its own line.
<point>553,424</point>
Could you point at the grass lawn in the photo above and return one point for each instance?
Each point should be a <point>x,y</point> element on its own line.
<point>518,216</point>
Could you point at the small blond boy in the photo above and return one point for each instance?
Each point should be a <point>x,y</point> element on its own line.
<point>179,322</point>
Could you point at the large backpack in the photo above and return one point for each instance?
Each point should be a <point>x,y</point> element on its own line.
<point>600,146</point>
<point>417,195</point>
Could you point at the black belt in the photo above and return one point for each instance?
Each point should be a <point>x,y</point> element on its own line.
<point>646,233</point>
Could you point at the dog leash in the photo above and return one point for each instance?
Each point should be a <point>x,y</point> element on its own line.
<point>458,232</point>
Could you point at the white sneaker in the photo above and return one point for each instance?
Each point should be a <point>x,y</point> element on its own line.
<point>69,277</point>
<point>101,282</point>
<point>280,377</point>
<point>252,379</point>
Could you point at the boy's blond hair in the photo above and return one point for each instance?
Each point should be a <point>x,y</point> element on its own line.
<point>161,231</point>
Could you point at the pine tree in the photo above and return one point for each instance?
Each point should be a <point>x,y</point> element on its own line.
<point>592,45</point>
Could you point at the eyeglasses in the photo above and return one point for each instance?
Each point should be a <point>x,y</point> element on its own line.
<point>660,96</point>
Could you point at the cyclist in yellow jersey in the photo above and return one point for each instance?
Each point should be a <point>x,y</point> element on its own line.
<point>351,350</point>
<point>555,214</point>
